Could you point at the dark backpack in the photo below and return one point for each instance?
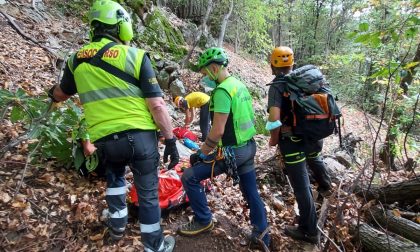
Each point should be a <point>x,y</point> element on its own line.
<point>313,106</point>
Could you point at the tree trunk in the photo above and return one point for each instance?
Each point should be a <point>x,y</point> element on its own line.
<point>224,24</point>
<point>401,226</point>
<point>406,80</point>
<point>374,240</point>
<point>407,191</point>
<point>318,8</point>
<point>290,23</point>
<point>388,151</point>
<point>191,9</point>
<point>237,36</point>
<point>201,29</point>
<point>329,28</point>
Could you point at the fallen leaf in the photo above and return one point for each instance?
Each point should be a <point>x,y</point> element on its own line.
<point>4,196</point>
<point>28,211</point>
<point>19,204</point>
<point>97,237</point>
<point>18,157</point>
<point>29,236</point>
<point>136,242</point>
<point>278,204</point>
<point>396,212</point>
<point>73,199</point>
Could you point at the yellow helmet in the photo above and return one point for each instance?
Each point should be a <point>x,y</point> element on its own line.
<point>180,102</point>
<point>282,57</point>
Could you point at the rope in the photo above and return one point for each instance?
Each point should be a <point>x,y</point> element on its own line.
<point>230,162</point>
<point>218,157</point>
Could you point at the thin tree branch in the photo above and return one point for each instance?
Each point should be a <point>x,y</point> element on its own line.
<point>28,160</point>
<point>409,127</point>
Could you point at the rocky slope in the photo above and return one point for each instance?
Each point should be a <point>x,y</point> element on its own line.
<point>47,207</point>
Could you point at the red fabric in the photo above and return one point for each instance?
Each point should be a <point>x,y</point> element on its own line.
<point>182,133</point>
<point>171,192</point>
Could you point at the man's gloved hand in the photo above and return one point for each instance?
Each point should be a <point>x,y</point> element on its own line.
<point>195,158</point>
<point>51,94</point>
<point>200,157</point>
<point>172,151</point>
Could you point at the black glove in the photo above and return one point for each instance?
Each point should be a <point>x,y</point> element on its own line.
<point>194,158</point>
<point>200,157</point>
<point>172,151</point>
<point>51,93</point>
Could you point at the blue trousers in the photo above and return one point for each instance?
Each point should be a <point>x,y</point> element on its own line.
<point>245,162</point>
<point>125,148</point>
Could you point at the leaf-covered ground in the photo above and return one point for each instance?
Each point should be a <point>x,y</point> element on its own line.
<point>48,208</point>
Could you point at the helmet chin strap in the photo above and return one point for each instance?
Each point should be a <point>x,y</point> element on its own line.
<point>214,77</point>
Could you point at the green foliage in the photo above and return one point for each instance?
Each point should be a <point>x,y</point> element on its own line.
<point>342,72</point>
<point>252,16</point>
<point>81,7</point>
<point>53,128</point>
<point>260,121</point>
<point>388,34</point>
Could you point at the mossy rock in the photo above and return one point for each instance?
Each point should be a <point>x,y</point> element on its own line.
<point>136,4</point>
<point>159,33</point>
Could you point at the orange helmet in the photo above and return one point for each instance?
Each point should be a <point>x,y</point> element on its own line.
<point>282,57</point>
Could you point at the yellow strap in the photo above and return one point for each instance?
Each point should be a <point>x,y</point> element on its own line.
<point>293,154</point>
<point>295,162</point>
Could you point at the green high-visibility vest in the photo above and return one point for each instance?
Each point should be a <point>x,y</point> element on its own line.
<point>240,126</point>
<point>110,104</point>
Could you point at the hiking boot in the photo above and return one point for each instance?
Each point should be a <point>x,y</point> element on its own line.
<point>116,234</point>
<point>168,244</point>
<point>194,228</point>
<point>297,234</point>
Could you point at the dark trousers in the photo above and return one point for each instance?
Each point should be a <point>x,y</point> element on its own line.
<point>293,151</point>
<point>248,185</point>
<point>122,149</point>
<point>316,164</point>
<point>204,121</point>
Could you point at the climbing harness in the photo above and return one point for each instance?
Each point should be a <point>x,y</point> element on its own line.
<point>228,156</point>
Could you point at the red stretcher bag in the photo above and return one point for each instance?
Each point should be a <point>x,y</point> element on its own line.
<point>182,133</point>
<point>171,192</point>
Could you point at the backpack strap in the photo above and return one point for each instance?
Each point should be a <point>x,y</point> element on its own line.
<point>111,69</point>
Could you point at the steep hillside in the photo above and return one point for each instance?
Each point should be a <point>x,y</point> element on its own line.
<point>46,206</point>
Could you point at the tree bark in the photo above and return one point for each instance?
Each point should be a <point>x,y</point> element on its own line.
<point>191,9</point>
<point>406,80</point>
<point>224,24</point>
<point>407,191</point>
<point>201,29</point>
<point>329,30</point>
<point>374,240</point>
<point>237,39</point>
<point>401,226</point>
<point>318,8</point>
